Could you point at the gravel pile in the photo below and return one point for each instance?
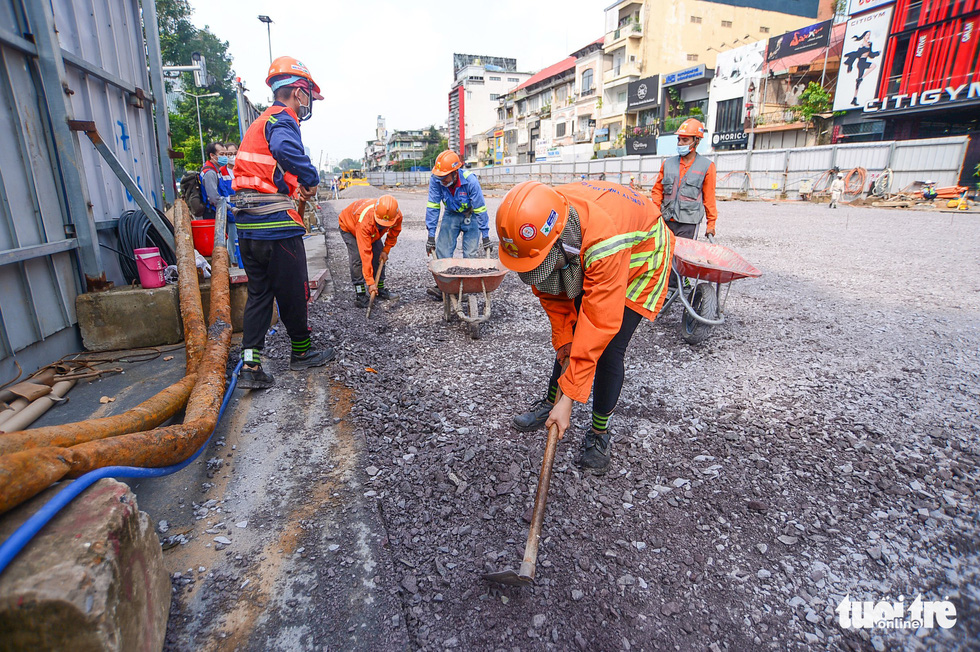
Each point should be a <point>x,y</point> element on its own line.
<point>360,192</point>
<point>822,443</point>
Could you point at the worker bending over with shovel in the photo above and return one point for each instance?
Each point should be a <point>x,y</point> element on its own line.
<point>363,224</point>
<point>597,256</point>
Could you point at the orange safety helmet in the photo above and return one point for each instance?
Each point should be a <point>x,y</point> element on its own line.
<point>447,161</point>
<point>529,221</point>
<point>290,67</point>
<point>691,127</point>
<point>386,210</point>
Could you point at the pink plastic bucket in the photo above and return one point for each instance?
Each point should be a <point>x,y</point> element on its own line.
<point>150,266</point>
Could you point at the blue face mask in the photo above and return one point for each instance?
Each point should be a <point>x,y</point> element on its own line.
<point>683,150</point>
<point>222,160</point>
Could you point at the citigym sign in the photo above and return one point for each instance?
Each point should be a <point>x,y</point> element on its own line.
<point>945,96</point>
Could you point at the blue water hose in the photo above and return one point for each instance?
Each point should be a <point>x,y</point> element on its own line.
<point>23,535</point>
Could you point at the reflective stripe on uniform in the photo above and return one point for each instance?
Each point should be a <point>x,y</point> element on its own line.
<point>615,244</point>
<point>256,183</point>
<point>432,204</point>
<point>256,157</point>
<point>248,226</point>
<point>364,212</point>
<point>481,209</point>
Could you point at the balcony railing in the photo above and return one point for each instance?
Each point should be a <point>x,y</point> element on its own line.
<point>587,92</point>
<point>622,70</point>
<point>583,136</point>
<point>781,117</point>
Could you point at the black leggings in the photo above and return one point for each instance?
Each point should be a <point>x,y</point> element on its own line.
<point>610,370</point>
<point>276,271</point>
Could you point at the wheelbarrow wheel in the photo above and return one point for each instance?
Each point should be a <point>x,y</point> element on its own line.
<point>704,300</point>
<point>475,331</point>
<point>474,314</point>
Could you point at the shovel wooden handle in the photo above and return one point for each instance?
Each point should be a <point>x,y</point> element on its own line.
<point>530,562</point>
<point>381,268</point>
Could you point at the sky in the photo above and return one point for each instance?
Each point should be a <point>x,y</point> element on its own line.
<point>393,58</point>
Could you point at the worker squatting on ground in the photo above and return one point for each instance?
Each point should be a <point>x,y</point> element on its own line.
<point>271,166</point>
<point>597,256</point>
<point>459,191</point>
<point>685,188</point>
<point>836,190</point>
<point>363,224</point>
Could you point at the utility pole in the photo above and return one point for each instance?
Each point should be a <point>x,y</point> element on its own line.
<point>197,102</point>
<point>268,27</point>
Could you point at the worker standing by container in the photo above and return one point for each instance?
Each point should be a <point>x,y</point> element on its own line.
<point>210,178</point>
<point>363,224</point>
<point>597,256</point>
<point>270,167</point>
<point>459,191</point>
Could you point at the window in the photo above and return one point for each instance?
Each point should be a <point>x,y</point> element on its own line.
<point>621,96</point>
<point>729,115</point>
<point>726,23</point>
<point>560,130</point>
<point>696,19</point>
<point>469,95</point>
<point>692,57</point>
<point>764,30</point>
<point>492,78</point>
<point>494,97</point>
<point>514,80</point>
<point>586,80</point>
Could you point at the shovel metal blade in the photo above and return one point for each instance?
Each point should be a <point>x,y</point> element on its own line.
<point>509,577</point>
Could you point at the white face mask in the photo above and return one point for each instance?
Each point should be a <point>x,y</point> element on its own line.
<point>683,150</point>
<point>231,161</point>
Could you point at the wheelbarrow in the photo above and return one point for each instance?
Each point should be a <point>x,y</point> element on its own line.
<point>454,286</point>
<point>710,266</point>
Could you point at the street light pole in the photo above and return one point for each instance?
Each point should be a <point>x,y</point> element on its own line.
<point>200,132</point>
<point>268,26</point>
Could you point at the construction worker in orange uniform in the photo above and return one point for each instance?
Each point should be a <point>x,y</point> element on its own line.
<point>270,168</point>
<point>597,256</point>
<point>685,188</point>
<point>362,226</point>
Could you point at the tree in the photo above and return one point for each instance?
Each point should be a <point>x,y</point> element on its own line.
<point>337,170</point>
<point>813,100</point>
<point>179,39</point>
<point>435,144</point>
<point>350,164</point>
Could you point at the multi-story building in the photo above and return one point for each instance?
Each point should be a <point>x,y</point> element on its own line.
<point>586,93</point>
<point>478,82</point>
<point>374,150</point>
<point>677,40</point>
<point>929,81</point>
<point>409,145</point>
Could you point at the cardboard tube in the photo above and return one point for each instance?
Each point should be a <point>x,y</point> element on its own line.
<point>16,406</point>
<point>33,412</point>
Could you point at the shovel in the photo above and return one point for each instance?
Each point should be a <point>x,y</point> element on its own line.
<point>381,268</point>
<point>525,575</point>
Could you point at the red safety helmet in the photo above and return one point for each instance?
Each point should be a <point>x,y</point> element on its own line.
<point>447,162</point>
<point>529,221</point>
<point>691,127</point>
<point>386,210</point>
<point>285,67</point>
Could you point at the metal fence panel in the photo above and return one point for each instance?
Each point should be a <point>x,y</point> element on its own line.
<point>98,60</point>
<point>938,159</point>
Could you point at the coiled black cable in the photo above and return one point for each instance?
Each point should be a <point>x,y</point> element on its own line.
<point>136,232</point>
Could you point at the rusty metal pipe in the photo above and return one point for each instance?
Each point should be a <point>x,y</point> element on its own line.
<point>173,444</point>
<point>189,289</point>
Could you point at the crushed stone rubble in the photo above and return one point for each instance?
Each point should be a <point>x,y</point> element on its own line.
<point>821,444</point>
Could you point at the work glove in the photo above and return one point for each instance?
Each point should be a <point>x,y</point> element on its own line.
<point>430,245</point>
<point>488,246</point>
<point>383,258</point>
<point>372,290</point>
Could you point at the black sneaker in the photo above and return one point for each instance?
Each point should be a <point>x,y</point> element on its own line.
<point>434,293</point>
<point>595,454</point>
<point>384,294</point>
<point>254,377</point>
<point>534,418</point>
<point>311,358</point>
<point>361,300</point>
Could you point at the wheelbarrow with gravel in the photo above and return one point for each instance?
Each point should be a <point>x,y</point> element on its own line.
<point>467,278</point>
<point>709,266</point>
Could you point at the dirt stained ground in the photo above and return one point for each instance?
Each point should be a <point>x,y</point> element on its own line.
<point>823,443</point>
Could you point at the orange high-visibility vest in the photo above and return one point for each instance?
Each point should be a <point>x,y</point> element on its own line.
<point>255,165</point>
